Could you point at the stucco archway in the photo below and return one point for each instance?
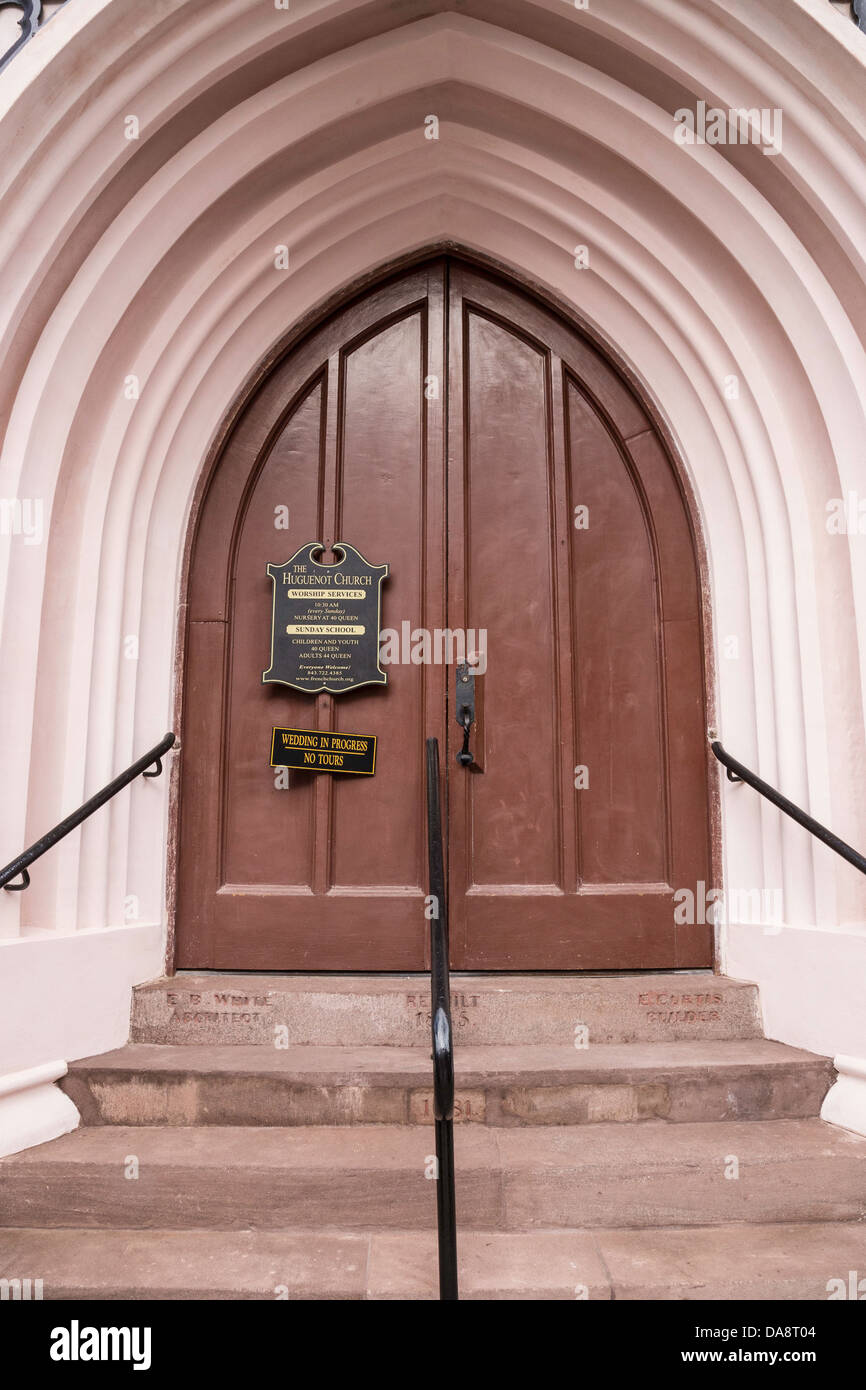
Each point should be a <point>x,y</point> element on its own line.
<point>141,290</point>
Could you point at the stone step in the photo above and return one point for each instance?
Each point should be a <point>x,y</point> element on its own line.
<point>792,1262</point>
<point>394,1010</point>
<point>378,1177</point>
<point>540,1084</point>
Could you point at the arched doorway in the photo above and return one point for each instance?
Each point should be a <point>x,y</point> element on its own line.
<point>453,427</point>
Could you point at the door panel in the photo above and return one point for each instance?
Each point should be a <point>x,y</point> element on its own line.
<point>506,583</point>
<point>593,652</point>
<point>326,872</point>
<point>381,510</point>
<point>616,662</point>
<point>260,849</point>
<point>546,874</point>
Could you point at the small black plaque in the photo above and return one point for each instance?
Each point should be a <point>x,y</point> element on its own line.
<point>309,750</point>
<point>325,624</point>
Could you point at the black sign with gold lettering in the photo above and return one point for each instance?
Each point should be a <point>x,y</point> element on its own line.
<point>311,750</point>
<point>325,624</point>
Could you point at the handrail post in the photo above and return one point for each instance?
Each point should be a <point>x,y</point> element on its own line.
<point>443,1047</point>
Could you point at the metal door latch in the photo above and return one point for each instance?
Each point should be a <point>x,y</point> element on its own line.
<point>464,706</point>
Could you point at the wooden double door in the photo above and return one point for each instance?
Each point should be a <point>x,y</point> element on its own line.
<point>449,425</point>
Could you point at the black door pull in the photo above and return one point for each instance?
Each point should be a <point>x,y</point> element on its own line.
<point>465,709</point>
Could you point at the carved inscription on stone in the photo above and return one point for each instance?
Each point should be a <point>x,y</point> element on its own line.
<point>673,1007</point>
<point>469,1107</point>
<point>188,1007</point>
<point>460,1004</point>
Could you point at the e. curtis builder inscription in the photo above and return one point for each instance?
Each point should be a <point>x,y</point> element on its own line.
<point>325,621</point>
<point>681,1008</point>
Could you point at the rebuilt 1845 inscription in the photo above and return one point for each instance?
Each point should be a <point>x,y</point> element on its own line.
<point>325,624</point>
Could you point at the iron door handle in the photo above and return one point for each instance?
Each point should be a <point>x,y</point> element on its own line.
<point>464,705</point>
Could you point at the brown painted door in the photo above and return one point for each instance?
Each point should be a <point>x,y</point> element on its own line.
<point>570,544</point>
<point>326,872</point>
<point>450,426</point>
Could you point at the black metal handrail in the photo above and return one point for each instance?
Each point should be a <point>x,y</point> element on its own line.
<point>443,1046</point>
<point>33,16</point>
<point>23,861</point>
<point>738,773</point>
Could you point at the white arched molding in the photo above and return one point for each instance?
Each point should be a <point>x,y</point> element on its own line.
<point>154,258</point>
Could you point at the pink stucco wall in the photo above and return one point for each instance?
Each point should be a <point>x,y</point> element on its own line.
<point>153,258</point>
